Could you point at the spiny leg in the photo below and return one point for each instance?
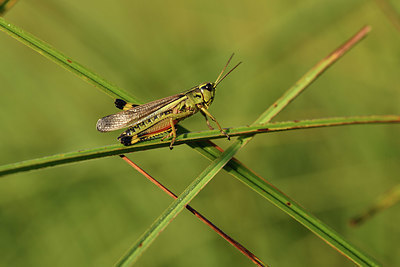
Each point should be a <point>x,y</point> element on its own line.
<point>207,121</point>
<point>211,116</point>
<point>122,104</point>
<point>173,132</point>
<point>166,136</point>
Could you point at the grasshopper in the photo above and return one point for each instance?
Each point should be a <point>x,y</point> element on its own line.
<point>155,118</point>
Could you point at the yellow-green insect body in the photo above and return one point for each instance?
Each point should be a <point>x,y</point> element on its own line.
<point>152,119</point>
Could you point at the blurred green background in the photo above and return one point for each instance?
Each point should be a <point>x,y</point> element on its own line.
<point>89,214</point>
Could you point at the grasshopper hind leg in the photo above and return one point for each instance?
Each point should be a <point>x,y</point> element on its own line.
<point>172,133</point>
<point>131,136</point>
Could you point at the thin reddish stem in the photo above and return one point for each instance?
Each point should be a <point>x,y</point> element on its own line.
<point>233,242</point>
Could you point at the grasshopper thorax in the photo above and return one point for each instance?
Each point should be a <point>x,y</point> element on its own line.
<point>202,94</point>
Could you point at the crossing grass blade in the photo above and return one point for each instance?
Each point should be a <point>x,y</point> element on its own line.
<point>188,138</point>
<point>274,195</point>
<point>66,62</point>
<point>279,199</point>
<point>210,150</point>
<point>178,205</point>
<point>229,239</point>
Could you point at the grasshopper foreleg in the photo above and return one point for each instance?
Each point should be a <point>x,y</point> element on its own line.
<point>208,114</point>
<point>207,121</point>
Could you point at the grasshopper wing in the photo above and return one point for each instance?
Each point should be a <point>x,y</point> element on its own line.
<point>129,117</point>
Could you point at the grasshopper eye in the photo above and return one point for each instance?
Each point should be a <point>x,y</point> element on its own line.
<point>208,87</point>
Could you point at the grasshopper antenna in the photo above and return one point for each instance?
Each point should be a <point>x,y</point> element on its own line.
<point>219,79</point>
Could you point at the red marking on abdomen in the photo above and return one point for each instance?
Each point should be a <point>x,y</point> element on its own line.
<point>161,130</point>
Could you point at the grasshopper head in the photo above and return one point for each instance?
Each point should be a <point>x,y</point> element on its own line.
<point>207,91</point>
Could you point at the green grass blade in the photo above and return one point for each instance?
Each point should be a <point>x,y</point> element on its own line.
<point>319,228</point>
<point>178,205</point>
<point>310,77</point>
<point>188,138</point>
<point>59,58</point>
<point>48,51</point>
<point>205,148</point>
<point>296,211</point>
<point>279,199</point>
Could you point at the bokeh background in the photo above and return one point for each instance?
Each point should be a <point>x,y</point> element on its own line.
<point>89,214</point>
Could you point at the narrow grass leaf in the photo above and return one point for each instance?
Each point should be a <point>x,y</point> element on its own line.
<point>258,184</point>
<point>48,51</point>
<point>178,205</point>
<point>189,138</point>
<point>319,228</point>
<point>311,76</point>
<point>229,239</point>
<point>207,149</point>
<point>279,199</point>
